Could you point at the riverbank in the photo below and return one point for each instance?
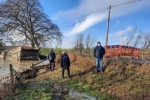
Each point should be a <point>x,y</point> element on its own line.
<point>51,87</point>
<point>123,79</point>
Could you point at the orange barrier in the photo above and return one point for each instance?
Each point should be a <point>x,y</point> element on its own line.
<point>120,50</point>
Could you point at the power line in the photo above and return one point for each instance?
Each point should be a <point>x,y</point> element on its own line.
<point>86,18</point>
<point>133,1</point>
<point>46,2</point>
<point>97,12</point>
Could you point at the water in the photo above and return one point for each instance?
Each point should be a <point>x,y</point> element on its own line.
<point>80,95</point>
<point>17,65</point>
<point>63,91</point>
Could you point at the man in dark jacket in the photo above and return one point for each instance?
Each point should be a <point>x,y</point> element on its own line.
<point>99,52</point>
<point>51,58</point>
<point>65,64</point>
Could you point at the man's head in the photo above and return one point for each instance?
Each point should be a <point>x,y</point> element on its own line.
<point>98,44</point>
<point>51,49</point>
<point>64,52</point>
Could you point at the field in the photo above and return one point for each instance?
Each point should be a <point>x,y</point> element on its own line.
<point>123,79</point>
<point>45,51</point>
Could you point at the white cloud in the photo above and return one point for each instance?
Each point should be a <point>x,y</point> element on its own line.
<point>81,27</point>
<point>129,28</point>
<point>120,33</point>
<point>123,40</point>
<point>67,42</point>
<point>121,36</point>
<point>118,22</point>
<point>87,6</point>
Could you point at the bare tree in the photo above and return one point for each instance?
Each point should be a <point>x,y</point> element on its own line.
<point>89,41</point>
<point>136,43</point>
<point>134,39</point>
<point>131,35</point>
<point>26,19</point>
<point>78,42</point>
<point>145,43</point>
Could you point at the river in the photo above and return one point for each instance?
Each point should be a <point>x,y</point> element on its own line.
<point>17,65</point>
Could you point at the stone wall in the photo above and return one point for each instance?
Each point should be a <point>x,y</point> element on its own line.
<point>2,55</point>
<point>14,53</point>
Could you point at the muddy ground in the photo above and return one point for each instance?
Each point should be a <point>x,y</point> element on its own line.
<point>123,78</point>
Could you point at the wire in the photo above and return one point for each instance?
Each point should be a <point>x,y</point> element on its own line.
<point>133,1</point>
<point>97,12</point>
<point>85,19</point>
<point>46,2</point>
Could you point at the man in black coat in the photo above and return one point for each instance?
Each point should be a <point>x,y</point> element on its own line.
<point>65,64</point>
<point>99,52</point>
<point>51,57</point>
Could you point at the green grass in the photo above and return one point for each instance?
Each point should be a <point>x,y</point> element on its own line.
<point>89,89</point>
<point>38,91</point>
<point>44,91</point>
<point>45,51</point>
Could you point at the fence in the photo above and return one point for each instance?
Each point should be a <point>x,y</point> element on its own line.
<point>116,51</point>
<point>119,50</point>
<point>15,80</point>
<point>6,86</point>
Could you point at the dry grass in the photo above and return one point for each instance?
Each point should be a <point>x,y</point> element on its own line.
<point>123,79</point>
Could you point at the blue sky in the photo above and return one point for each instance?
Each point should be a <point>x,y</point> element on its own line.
<point>123,18</point>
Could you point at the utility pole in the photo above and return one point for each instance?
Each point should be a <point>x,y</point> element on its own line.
<point>108,25</point>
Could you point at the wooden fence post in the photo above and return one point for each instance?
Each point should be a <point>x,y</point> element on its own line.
<point>5,53</point>
<point>11,74</point>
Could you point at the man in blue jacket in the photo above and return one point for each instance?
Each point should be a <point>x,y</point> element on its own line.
<point>99,52</point>
<point>65,63</point>
<point>51,58</point>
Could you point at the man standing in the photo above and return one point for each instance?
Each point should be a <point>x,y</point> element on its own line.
<point>65,64</point>
<point>51,58</point>
<point>99,52</point>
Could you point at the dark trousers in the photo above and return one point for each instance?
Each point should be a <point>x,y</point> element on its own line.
<point>51,65</point>
<point>63,71</point>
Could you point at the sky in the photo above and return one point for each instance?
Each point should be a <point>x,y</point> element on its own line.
<point>123,19</point>
<point>75,17</point>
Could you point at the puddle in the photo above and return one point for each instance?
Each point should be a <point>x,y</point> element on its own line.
<point>62,92</point>
<point>80,95</point>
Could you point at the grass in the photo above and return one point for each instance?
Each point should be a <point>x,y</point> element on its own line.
<point>44,91</point>
<point>119,82</point>
<point>36,91</point>
<point>79,83</point>
<point>45,51</point>
<point>89,89</point>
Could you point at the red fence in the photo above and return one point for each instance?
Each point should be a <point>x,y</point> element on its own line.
<point>120,50</point>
